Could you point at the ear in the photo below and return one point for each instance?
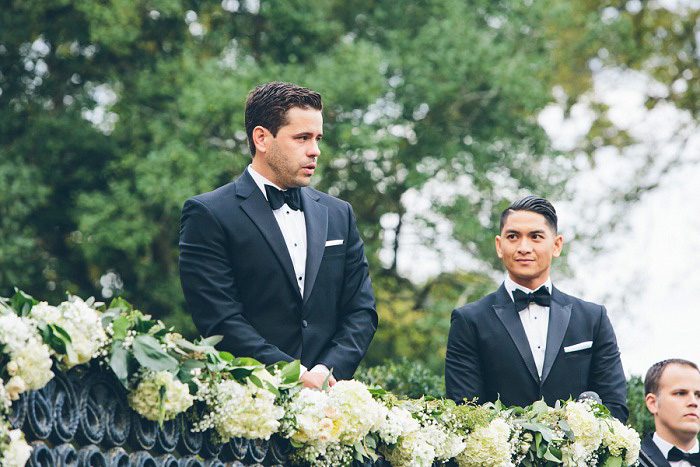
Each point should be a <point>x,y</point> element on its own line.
<point>652,403</point>
<point>499,252</point>
<point>558,245</point>
<point>260,139</point>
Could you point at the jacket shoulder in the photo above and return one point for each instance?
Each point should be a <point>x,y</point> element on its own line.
<point>473,309</point>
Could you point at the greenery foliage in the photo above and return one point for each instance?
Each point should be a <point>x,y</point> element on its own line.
<point>113,113</point>
<point>404,378</point>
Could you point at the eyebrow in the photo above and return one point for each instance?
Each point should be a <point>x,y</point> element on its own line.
<point>530,232</point>
<point>307,133</point>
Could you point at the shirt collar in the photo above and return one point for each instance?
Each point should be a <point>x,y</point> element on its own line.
<point>511,285</point>
<point>261,181</point>
<point>664,446</point>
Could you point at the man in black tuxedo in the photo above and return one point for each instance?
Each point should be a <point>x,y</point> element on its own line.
<point>672,390</point>
<point>528,340</point>
<point>274,266</point>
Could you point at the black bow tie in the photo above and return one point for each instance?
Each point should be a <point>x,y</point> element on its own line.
<point>277,198</point>
<point>675,455</point>
<point>522,299</point>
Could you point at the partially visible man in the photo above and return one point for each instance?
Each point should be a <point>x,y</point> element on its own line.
<point>274,266</point>
<point>672,390</point>
<point>528,340</point>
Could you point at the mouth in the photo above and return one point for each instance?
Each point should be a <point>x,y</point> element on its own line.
<point>524,260</point>
<point>309,169</point>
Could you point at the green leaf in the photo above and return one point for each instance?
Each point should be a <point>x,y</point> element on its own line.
<point>271,387</point>
<point>241,373</point>
<point>256,381</point>
<point>150,354</point>
<point>551,457</point>
<point>161,406</point>
<point>22,303</point>
<point>613,462</point>
<point>118,362</point>
<point>289,372</point>
<point>324,386</point>
<point>247,361</point>
<point>119,326</point>
<point>211,340</point>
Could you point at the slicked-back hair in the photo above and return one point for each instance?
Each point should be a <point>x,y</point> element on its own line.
<point>533,204</point>
<point>651,380</point>
<point>267,106</point>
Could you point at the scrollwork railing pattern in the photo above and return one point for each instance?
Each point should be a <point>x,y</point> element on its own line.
<point>82,418</point>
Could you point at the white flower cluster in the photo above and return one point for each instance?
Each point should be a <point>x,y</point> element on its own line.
<point>146,398</point>
<point>620,439</point>
<point>346,413</point>
<point>397,423</point>
<point>82,323</point>
<point>414,449</point>
<point>30,359</point>
<point>588,433</point>
<point>488,446</point>
<point>14,450</point>
<point>244,410</point>
<point>417,443</point>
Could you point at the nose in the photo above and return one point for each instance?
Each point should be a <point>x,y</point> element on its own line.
<point>314,150</point>
<point>524,245</point>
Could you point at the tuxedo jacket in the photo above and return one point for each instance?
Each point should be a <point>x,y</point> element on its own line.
<point>650,455</point>
<point>238,279</point>
<point>488,355</point>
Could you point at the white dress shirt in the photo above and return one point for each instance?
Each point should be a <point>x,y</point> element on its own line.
<point>535,319</point>
<point>293,226</point>
<point>664,446</point>
<point>292,223</point>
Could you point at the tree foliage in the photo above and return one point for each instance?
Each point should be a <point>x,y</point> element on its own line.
<point>113,112</point>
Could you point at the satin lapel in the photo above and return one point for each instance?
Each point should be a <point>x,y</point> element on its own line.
<point>510,319</point>
<point>653,453</point>
<point>559,316</point>
<point>316,218</point>
<point>257,208</point>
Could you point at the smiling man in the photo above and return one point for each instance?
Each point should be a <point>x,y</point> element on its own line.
<point>672,390</point>
<point>528,340</point>
<point>274,266</point>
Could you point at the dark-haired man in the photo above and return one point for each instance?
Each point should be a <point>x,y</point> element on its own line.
<point>672,390</point>
<point>274,266</point>
<point>528,340</point>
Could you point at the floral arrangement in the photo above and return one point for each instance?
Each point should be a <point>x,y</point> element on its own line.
<point>14,450</point>
<point>165,375</point>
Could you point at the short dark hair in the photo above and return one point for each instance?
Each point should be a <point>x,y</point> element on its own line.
<point>532,204</point>
<point>267,106</point>
<point>651,381</point>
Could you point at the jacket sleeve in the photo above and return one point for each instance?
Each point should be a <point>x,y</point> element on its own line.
<point>463,376</point>
<point>209,285</point>
<point>356,308</point>
<point>606,375</point>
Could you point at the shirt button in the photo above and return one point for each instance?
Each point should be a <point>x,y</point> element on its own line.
<point>287,212</point>
<point>295,244</point>
<point>299,278</point>
<point>304,323</point>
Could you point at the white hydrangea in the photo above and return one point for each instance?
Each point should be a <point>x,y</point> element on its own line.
<point>397,422</point>
<point>488,446</point>
<point>5,401</point>
<point>354,409</point>
<point>145,399</point>
<point>587,430</point>
<point>316,420</point>
<point>15,451</point>
<point>82,323</point>
<point>30,359</point>
<point>241,410</point>
<point>413,450</point>
<point>618,438</point>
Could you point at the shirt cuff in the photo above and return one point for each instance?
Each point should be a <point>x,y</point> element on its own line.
<point>320,368</point>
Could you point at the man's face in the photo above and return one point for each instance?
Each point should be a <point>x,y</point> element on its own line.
<point>289,159</point>
<point>676,407</point>
<point>527,245</point>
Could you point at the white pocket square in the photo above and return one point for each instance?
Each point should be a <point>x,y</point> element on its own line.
<point>334,242</point>
<point>579,346</point>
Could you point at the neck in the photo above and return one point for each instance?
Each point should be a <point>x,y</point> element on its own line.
<point>533,284</point>
<point>683,441</point>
